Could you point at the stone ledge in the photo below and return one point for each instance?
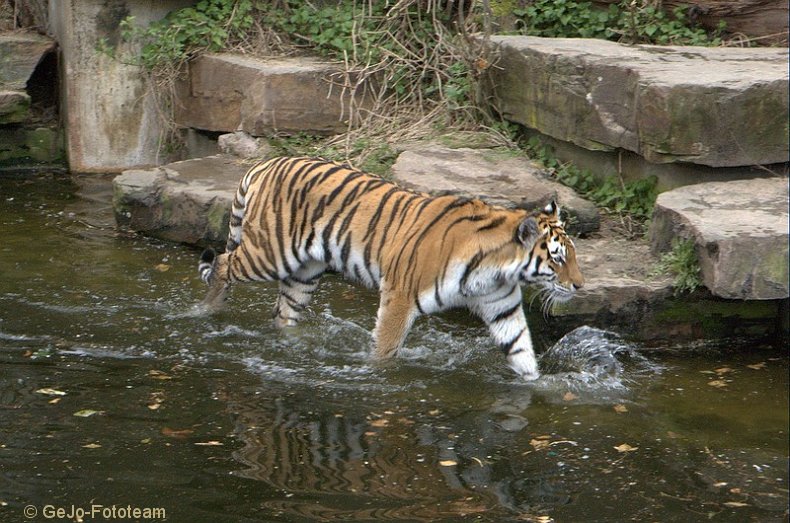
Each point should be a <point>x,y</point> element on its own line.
<point>741,232</point>
<point>499,177</point>
<point>187,202</point>
<point>229,92</point>
<point>668,104</point>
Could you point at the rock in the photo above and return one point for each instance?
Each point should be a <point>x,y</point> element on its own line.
<point>229,92</point>
<point>14,106</point>
<point>497,176</point>
<point>741,232</point>
<point>711,106</point>
<point>622,293</point>
<point>618,273</point>
<point>243,145</point>
<point>20,53</point>
<point>185,201</point>
<point>23,147</point>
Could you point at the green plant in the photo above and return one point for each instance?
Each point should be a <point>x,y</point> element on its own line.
<point>566,18</point>
<point>634,199</point>
<point>629,21</point>
<point>681,262</point>
<point>648,23</point>
<point>210,25</point>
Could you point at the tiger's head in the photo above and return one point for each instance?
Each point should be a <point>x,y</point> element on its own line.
<point>552,262</point>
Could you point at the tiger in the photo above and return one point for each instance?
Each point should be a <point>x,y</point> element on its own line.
<point>294,219</point>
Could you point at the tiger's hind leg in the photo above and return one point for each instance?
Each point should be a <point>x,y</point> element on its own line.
<point>296,291</point>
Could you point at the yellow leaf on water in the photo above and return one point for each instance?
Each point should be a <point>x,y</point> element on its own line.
<point>54,401</point>
<point>378,423</point>
<point>158,375</point>
<point>176,433</point>
<point>569,396</point>
<point>625,447</point>
<point>210,443</point>
<point>92,446</point>
<point>722,370</point>
<point>757,366</point>
<point>162,267</point>
<point>51,392</point>
<point>717,383</point>
<point>620,408</point>
<point>448,463</point>
<point>735,504</point>
<point>87,413</point>
<point>539,444</point>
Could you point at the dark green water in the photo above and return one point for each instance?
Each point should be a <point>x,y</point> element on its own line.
<point>113,394</point>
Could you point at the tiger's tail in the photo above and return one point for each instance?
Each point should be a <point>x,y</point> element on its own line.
<point>208,260</point>
<point>206,266</point>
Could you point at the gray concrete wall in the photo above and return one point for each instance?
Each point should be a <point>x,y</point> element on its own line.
<point>110,121</point>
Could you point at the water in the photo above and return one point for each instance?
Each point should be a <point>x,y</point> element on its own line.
<point>113,393</point>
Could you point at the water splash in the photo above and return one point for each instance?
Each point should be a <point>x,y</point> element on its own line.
<point>590,358</point>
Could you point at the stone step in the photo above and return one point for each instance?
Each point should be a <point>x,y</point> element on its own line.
<point>500,177</point>
<point>186,202</point>
<point>740,229</point>
<point>228,92</point>
<point>717,107</point>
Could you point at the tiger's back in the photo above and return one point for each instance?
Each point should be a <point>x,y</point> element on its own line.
<point>294,218</point>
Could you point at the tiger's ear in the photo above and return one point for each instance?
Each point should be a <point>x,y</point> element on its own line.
<point>552,208</point>
<point>528,233</point>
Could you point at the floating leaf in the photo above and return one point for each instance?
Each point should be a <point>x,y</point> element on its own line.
<point>722,370</point>
<point>625,447</point>
<point>620,408</point>
<point>177,433</point>
<point>448,463</point>
<point>539,444</point>
<point>569,396</point>
<point>55,401</point>
<point>735,504</point>
<point>162,267</point>
<point>717,383</point>
<point>212,443</point>
<point>92,446</point>
<point>51,392</point>
<point>757,366</point>
<point>378,423</point>
<point>159,375</point>
<point>87,413</point>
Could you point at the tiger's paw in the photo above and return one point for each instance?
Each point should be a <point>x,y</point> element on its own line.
<point>524,364</point>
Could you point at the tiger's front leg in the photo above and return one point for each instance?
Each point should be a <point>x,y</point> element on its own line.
<point>296,291</point>
<point>394,319</point>
<point>503,312</point>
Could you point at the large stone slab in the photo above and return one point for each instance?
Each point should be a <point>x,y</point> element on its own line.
<point>20,53</point>
<point>712,106</point>
<point>497,176</point>
<point>230,92</point>
<point>741,232</point>
<point>185,201</point>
